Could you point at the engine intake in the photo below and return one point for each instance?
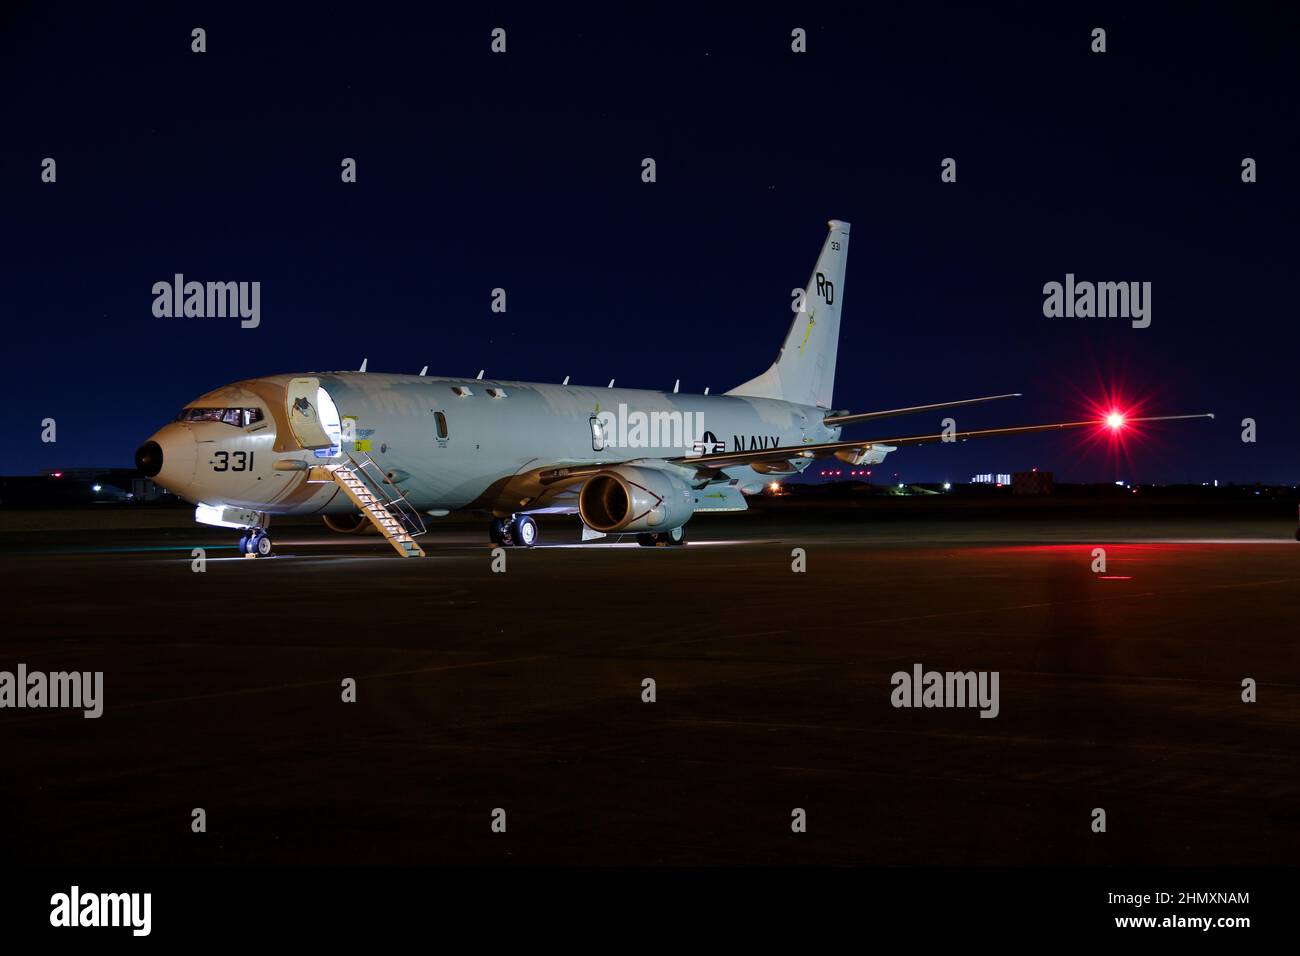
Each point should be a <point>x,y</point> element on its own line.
<point>628,498</point>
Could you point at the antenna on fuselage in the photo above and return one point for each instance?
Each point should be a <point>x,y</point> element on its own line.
<point>676,385</point>
<point>423,370</point>
<point>611,384</point>
<point>363,364</point>
<point>479,377</point>
<point>706,389</point>
<point>566,380</point>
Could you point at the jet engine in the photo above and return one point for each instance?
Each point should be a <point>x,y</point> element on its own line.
<point>627,498</point>
<point>348,524</point>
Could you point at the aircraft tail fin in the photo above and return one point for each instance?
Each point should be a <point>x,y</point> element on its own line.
<point>804,370</point>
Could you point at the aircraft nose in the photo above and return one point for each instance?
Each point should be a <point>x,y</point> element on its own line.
<point>149,459</point>
<point>169,458</point>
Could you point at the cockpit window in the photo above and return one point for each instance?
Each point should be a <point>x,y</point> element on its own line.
<point>239,417</point>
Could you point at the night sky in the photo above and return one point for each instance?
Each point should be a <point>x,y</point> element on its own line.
<point>523,171</point>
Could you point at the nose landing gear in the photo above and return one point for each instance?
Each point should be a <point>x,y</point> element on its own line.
<point>255,544</point>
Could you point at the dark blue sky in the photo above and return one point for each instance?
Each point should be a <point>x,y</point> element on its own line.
<point>523,171</point>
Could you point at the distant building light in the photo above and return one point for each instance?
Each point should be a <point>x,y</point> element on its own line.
<point>947,486</point>
<point>96,488</point>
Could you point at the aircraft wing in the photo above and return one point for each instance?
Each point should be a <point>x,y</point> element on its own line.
<point>822,449</point>
<point>847,418</point>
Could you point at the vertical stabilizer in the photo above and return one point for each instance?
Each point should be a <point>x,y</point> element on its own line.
<point>804,370</point>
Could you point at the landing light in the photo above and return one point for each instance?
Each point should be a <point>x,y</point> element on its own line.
<point>1114,421</point>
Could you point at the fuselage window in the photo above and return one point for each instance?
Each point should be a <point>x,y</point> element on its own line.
<point>252,415</point>
<point>441,421</point>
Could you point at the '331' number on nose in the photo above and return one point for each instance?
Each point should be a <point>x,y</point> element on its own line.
<point>233,461</point>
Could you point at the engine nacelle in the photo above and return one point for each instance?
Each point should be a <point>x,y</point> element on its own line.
<point>866,455</point>
<point>631,499</point>
<point>348,524</point>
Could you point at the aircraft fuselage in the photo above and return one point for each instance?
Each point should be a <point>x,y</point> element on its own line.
<point>456,443</point>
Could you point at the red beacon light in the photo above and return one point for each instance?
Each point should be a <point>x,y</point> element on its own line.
<point>1115,421</point>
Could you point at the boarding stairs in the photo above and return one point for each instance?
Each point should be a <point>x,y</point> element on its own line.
<point>380,500</point>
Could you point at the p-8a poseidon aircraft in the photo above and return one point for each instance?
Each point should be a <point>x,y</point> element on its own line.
<point>367,450</point>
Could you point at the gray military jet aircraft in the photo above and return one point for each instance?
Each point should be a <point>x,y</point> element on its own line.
<point>375,451</point>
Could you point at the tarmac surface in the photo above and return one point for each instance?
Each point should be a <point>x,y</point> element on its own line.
<point>522,690</point>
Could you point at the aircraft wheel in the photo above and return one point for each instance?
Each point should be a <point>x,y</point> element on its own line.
<point>243,544</point>
<point>526,531</point>
<point>497,531</point>
<point>260,544</point>
<point>675,538</point>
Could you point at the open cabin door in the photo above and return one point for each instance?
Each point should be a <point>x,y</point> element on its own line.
<point>313,417</point>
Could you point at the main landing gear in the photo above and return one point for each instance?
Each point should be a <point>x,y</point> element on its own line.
<point>255,543</point>
<point>663,539</point>
<point>519,531</point>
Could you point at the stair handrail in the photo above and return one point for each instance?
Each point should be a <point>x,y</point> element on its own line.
<point>407,515</point>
